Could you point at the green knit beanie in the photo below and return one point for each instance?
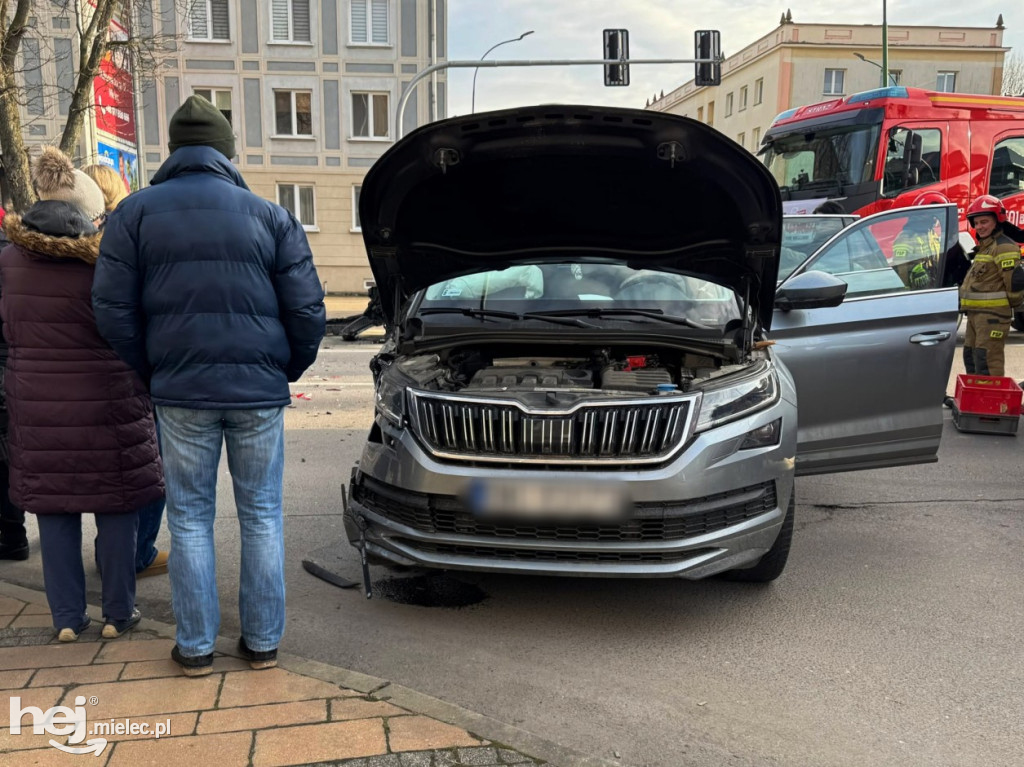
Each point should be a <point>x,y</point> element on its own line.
<point>199,123</point>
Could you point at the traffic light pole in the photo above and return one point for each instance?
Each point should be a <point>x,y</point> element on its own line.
<point>404,100</point>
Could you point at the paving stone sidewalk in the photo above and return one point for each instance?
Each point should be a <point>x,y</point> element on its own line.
<point>296,714</point>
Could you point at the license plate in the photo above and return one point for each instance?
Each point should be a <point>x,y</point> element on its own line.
<point>542,500</point>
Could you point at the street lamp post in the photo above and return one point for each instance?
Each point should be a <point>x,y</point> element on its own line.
<point>886,75</point>
<point>503,42</point>
<point>885,47</point>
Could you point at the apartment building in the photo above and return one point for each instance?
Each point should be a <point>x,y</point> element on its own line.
<point>310,87</point>
<point>798,64</point>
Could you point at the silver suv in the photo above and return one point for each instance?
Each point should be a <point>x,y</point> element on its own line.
<point>578,377</point>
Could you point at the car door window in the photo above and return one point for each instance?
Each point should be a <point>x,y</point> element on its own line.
<point>897,253</point>
<point>1007,176</point>
<point>913,159</point>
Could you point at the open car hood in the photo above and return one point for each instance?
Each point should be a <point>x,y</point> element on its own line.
<point>585,184</point>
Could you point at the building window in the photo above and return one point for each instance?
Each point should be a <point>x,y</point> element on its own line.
<point>370,115</point>
<point>219,98</point>
<point>895,76</point>
<point>298,200</point>
<point>700,114</point>
<point>290,21</point>
<point>357,225</point>
<point>728,104</point>
<point>209,20</point>
<point>711,113</point>
<point>834,82</point>
<point>369,22</point>
<point>755,139</point>
<point>741,139</point>
<point>946,82</point>
<point>293,113</point>
<point>758,91</point>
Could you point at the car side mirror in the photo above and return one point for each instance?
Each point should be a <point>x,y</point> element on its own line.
<point>810,290</point>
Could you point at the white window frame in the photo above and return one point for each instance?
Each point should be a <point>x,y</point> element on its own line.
<point>298,204</point>
<point>352,116</point>
<point>213,92</point>
<point>755,139</point>
<point>291,25</point>
<point>944,74</point>
<point>357,225</point>
<point>295,114</point>
<point>741,139</point>
<point>368,43</point>
<point>209,25</point>
<point>728,104</point>
<point>829,83</point>
<point>744,95</point>
<point>758,91</point>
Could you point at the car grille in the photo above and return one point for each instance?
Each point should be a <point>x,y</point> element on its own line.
<point>666,521</point>
<point>615,432</point>
<point>534,555</point>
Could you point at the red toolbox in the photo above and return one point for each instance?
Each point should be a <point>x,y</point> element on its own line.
<point>987,404</point>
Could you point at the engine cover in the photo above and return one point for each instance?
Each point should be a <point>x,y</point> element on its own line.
<point>530,378</point>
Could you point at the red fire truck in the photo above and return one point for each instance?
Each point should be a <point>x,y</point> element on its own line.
<point>880,149</point>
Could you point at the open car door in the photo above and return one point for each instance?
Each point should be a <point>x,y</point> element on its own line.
<point>872,371</point>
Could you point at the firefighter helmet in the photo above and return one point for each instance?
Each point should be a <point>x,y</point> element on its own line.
<point>931,198</point>
<point>987,204</point>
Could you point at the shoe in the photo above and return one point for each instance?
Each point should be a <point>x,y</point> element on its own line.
<point>948,401</point>
<point>258,659</point>
<point>199,665</point>
<point>114,629</point>
<point>18,551</point>
<point>157,567</point>
<point>72,634</point>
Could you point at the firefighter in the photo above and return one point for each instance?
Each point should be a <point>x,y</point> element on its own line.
<point>916,249</point>
<point>989,292</point>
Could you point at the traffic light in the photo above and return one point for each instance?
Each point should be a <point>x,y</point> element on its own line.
<point>708,45</point>
<point>616,46</point>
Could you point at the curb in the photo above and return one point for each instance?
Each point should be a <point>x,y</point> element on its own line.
<point>381,689</point>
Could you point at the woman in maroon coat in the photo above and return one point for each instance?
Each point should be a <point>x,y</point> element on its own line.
<point>81,432</point>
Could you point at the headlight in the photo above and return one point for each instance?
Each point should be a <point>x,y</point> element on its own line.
<point>390,400</point>
<point>738,398</point>
<point>765,436</point>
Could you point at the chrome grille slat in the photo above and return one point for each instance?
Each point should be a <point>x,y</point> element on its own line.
<point>482,429</point>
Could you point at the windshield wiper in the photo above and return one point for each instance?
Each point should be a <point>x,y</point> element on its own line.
<point>500,314</point>
<point>654,314</point>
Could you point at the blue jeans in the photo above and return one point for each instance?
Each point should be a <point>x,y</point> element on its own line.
<point>60,542</point>
<point>150,518</point>
<point>190,442</point>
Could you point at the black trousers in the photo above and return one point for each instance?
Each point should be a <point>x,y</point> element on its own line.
<point>60,541</point>
<point>12,519</point>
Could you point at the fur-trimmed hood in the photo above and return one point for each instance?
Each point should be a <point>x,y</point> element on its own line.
<point>85,247</point>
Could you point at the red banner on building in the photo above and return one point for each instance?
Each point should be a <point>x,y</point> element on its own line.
<point>115,100</point>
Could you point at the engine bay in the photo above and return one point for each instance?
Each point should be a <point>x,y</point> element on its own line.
<point>613,370</point>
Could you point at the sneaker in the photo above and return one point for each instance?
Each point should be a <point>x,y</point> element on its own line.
<point>157,567</point>
<point>258,659</point>
<point>114,629</point>
<point>72,634</point>
<point>199,665</point>
<point>17,551</point>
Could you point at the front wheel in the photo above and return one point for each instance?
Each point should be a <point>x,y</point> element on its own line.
<point>773,562</point>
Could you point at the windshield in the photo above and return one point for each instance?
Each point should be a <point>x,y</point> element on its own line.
<point>803,235</point>
<point>567,286</point>
<point>823,158</point>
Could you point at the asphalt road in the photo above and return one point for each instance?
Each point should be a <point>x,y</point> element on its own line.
<point>893,638</point>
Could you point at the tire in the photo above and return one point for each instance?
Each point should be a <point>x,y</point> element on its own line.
<point>1018,321</point>
<point>773,562</point>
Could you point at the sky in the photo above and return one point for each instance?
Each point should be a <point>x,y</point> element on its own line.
<point>572,29</point>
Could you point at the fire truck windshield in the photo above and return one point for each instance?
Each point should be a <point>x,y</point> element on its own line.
<point>822,160</point>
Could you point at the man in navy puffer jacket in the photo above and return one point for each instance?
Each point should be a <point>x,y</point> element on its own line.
<point>210,293</point>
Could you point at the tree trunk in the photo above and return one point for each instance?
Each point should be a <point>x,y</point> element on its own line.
<point>15,158</point>
<point>92,46</point>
